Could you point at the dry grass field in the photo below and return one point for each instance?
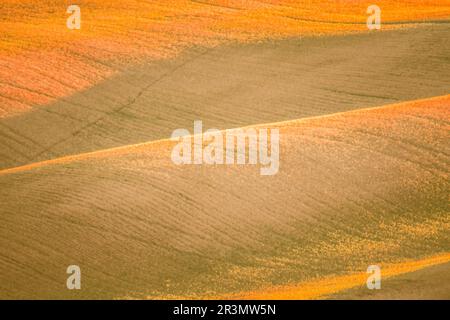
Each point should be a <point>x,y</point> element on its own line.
<point>42,60</point>
<point>353,189</point>
<point>429,283</point>
<point>233,86</point>
<point>86,175</point>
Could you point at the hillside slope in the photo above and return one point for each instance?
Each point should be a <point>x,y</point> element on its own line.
<point>233,86</point>
<point>353,189</point>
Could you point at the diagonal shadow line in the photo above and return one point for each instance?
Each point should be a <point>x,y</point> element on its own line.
<point>122,107</point>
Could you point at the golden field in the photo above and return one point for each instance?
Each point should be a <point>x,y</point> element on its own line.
<point>354,189</point>
<point>42,60</point>
<point>86,175</point>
